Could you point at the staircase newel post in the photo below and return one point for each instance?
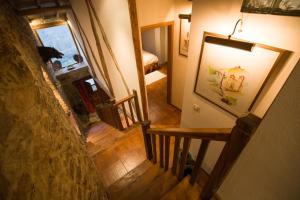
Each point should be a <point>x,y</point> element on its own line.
<point>115,114</point>
<point>147,139</point>
<point>240,136</point>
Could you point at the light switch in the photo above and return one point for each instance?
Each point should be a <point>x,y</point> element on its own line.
<point>196,107</point>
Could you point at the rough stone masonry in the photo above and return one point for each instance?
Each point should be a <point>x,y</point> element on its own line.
<point>41,155</point>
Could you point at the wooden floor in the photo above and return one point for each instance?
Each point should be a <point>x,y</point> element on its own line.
<point>115,153</point>
<point>119,153</point>
<point>160,112</point>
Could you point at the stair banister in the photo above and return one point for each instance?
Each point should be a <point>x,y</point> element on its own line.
<point>236,139</point>
<point>240,136</point>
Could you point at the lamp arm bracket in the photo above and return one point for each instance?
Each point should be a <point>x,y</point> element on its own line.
<point>238,21</point>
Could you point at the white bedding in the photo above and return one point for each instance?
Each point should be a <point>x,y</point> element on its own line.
<point>149,58</point>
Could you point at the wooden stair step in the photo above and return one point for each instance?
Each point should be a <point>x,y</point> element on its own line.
<point>134,182</point>
<point>159,186</point>
<point>184,190</point>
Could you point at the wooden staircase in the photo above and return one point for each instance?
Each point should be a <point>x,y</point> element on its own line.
<point>148,181</point>
<point>163,175</point>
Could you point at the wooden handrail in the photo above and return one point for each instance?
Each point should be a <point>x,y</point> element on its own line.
<point>124,99</point>
<point>217,134</point>
<point>129,106</point>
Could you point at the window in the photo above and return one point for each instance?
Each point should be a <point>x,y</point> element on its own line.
<point>61,39</point>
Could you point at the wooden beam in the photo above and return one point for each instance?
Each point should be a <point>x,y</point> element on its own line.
<point>49,24</point>
<point>138,55</point>
<point>109,48</point>
<point>57,2</point>
<point>85,38</point>
<point>37,2</point>
<point>36,11</point>
<point>157,25</point>
<point>100,52</point>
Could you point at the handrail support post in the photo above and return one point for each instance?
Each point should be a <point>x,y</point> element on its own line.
<point>147,139</point>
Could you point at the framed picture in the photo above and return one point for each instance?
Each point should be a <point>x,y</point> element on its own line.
<point>276,7</point>
<point>232,78</point>
<point>184,37</point>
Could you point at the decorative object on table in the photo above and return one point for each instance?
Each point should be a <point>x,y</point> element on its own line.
<point>184,34</point>
<point>276,7</point>
<point>57,65</point>
<point>78,58</point>
<point>232,73</point>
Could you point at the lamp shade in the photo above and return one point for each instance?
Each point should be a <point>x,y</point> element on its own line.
<point>247,46</point>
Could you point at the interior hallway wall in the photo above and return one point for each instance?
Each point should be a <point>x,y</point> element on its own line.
<point>42,156</point>
<point>155,11</point>
<point>219,16</point>
<point>118,30</point>
<point>149,41</point>
<point>268,168</point>
<point>180,63</point>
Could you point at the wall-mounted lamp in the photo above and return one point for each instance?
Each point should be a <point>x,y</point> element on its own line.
<point>185,16</point>
<point>247,46</point>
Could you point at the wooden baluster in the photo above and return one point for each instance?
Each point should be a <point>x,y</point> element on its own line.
<point>131,112</point>
<point>176,154</point>
<point>154,148</point>
<point>125,114</point>
<point>199,160</point>
<point>137,106</point>
<point>167,152</point>
<point>184,156</point>
<point>240,135</point>
<point>147,139</point>
<point>161,151</point>
<point>116,115</point>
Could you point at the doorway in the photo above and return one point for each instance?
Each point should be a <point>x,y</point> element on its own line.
<point>157,57</point>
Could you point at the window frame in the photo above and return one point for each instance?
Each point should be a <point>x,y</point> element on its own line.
<point>53,24</point>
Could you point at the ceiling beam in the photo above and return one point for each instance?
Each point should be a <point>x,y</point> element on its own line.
<point>37,2</point>
<point>36,11</point>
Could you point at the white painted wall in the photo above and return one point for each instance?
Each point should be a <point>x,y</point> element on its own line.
<point>180,65</point>
<point>268,168</point>
<point>154,11</point>
<point>149,40</point>
<point>156,41</point>
<point>114,16</point>
<point>220,16</point>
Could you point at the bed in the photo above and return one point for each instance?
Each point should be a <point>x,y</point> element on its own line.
<point>150,61</point>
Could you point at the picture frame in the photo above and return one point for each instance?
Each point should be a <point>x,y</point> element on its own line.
<point>184,37</point>
<point>234,84</point>
<point>275,7</point>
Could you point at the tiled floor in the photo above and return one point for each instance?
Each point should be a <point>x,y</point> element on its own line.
<point>115,153</point>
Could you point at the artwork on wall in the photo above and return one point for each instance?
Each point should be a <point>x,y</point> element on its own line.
<point>184,37</point>
<point>276,7</point>
<point>232,78</point>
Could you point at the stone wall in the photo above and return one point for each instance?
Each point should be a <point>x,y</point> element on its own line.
<point>41,155</point>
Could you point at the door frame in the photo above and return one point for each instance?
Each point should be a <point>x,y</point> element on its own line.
<point>170,27</point>
<point>137,43</point>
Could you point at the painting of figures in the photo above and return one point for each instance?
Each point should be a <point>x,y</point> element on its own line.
<point>231,78</point>
<point>277,7</point>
